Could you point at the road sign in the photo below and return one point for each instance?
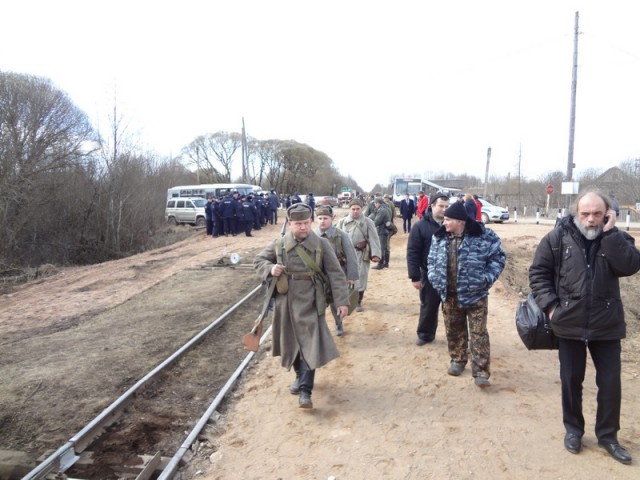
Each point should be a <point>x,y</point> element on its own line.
<point>549,189</point>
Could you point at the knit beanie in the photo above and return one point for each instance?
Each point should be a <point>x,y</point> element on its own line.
<point>457,211</point>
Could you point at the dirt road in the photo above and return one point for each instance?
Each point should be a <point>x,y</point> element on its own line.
<point>385,409</point>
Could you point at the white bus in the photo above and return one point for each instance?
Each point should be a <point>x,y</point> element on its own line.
<point>411,185</point>
<point>404,185</point>
<point>207,190</point>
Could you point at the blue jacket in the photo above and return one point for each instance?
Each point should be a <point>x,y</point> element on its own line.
<point>480,262</point>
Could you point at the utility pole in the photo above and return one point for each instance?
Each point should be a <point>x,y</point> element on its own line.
<point>572,118</point>
<point>486,173</point>
<point>245,163</point>
<point>519,163</point>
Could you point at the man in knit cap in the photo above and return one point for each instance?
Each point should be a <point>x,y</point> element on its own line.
<point>465,259</point>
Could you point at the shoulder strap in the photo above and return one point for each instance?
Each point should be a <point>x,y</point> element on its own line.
<point>363,230</point>
<point>338,244</point>
<point>281,251</point>
<point>308,261</point>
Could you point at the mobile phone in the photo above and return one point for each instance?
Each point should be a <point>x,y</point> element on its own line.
<point>606,219</point>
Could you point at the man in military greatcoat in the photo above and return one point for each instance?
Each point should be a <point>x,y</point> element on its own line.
<point>300,332</point>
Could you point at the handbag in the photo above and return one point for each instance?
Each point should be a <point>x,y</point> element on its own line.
<point>534,326</point>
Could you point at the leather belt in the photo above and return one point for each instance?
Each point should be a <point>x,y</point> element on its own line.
<point>300,276</point>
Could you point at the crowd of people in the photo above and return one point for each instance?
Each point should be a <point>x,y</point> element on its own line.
<point>453,260</point>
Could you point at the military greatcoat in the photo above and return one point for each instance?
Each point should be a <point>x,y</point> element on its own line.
<point>297,327</point>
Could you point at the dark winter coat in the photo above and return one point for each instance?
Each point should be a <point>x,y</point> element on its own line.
<point>470,207</point>
<point>418,247</point>
<point>587,300</point>
<point>249,212</point>
<point>407,208</point>
<point>480,262</point>
<point>228,207</point>
<point>273,201</point>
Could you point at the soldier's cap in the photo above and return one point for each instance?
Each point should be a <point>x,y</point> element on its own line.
<point>356,201</point>
<point>386,195</point>
<point>299,211</point>
<point>378,200</point>
<point>324,210</point>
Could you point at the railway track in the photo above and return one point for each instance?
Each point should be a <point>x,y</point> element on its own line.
<point>156,423</point>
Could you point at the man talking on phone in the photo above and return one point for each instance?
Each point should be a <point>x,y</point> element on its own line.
<point>574,278</point>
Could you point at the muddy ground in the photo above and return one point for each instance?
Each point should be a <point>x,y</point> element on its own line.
<point>73,342</point>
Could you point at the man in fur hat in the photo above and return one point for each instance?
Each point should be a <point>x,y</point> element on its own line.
<point>300,332</point>
<point>465,259</point>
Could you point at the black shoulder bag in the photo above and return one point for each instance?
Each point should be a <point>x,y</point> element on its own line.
<point>534,325</point>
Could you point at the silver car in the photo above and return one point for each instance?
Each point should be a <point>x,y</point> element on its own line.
<point>493,213</point>
<point>186,210</point>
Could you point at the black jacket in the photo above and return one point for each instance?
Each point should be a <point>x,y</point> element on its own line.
<point>418,247</point>
<point>587,299</point>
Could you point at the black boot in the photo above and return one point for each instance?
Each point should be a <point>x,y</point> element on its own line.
<point>359,306</point>
<point>305,399</point>
<point>307,378</point>
<point>387,254</point>
<point>294,388</point>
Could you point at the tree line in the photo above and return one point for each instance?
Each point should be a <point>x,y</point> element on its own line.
<point>72,195</point>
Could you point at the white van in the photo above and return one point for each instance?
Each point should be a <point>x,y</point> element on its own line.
<point>186,210</point>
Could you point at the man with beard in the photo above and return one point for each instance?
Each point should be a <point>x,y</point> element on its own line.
<point>300,333</point>
<point>574,278</point>
<point>417,254</point>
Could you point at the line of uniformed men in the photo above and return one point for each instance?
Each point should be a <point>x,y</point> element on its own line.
<point>234,213</point>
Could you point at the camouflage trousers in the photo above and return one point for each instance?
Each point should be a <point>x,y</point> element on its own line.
<point>467,327</point>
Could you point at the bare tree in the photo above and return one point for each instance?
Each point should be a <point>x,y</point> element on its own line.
<point>213,155</point>
<point>41,133</point>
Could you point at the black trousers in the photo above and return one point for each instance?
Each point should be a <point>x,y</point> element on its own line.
<point>606,359</point>
<point>429,306</point>
<point>406,225</point>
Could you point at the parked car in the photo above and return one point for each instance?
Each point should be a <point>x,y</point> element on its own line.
<point>493,213</point>
<point>186,210</point>
<point>328,200</point>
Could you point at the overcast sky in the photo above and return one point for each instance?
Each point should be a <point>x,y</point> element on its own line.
<point>381,87</point>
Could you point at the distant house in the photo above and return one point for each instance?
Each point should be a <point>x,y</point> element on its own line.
<point>615,181</point>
